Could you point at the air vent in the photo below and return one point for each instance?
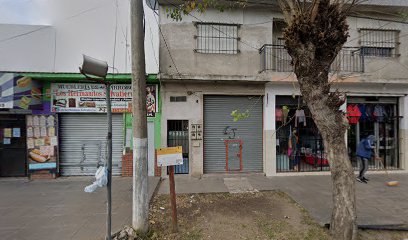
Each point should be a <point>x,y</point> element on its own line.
<point>178,99</point>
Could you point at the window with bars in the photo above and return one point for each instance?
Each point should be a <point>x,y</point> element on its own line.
<point>217,38</point>
<point>379,43</point>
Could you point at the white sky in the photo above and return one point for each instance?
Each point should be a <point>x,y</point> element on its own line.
<point>63,13</point>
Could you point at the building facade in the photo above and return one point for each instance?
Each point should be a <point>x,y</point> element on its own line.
<point>51,118</point>
<point>56,123</point>
<point>228,87</point>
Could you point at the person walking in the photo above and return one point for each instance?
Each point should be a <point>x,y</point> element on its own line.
<point>365,151</point>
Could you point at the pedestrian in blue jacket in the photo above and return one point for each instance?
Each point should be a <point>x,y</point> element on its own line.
<point>365,151</point>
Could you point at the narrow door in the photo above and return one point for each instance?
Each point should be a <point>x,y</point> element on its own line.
<point>177,135</point>
<point>13,152</point>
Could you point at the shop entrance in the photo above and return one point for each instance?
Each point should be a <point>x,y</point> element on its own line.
<point>13,152</point>
<point>177,135</point>
<point>299,145</point>
<point>379,117</point>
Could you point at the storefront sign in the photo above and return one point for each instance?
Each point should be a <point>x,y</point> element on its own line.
<point>169,156</point>
<point>6,90</point>
<point>42,144</point>
<point>19,92</point>
<point>82,97</point>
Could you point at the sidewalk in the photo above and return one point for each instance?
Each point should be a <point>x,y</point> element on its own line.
<point>60,209</point>
<point>376,203</point>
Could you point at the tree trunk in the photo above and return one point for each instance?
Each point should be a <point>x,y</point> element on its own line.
<point>332,125</point>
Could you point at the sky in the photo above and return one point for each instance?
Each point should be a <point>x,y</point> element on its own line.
<point>73,18</point>
<point>24,12</point>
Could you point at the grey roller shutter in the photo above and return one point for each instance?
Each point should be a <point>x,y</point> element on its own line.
<point>217,116</point>
<point>88,131</point>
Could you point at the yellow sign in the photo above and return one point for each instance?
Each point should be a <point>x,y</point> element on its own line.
<point>170,150</point>
<point>169,156</point>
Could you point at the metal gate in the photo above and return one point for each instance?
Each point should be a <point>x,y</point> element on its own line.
<point>219,126</point>
<point>177,135</point>
<point>83,143</point>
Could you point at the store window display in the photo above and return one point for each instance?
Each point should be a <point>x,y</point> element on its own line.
<point>299,144</point>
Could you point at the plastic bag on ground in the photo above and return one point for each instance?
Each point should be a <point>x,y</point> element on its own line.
<point>101,177</point>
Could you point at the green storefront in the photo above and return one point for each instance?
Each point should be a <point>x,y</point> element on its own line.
<point>78,106</point>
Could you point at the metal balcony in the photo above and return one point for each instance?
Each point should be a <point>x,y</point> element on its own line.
<point>276,58</point>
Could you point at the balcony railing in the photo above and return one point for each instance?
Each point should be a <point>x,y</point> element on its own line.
<point>276,58</point>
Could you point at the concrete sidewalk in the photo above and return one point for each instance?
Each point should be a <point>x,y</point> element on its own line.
<point>376,203</point>
<point>60,209</point>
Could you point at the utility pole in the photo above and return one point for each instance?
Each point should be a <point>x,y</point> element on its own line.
<point>140,194</point>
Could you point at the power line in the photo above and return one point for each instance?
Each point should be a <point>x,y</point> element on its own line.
<point>151,41</point>
<point>167,47</point>
<point>23,34</point>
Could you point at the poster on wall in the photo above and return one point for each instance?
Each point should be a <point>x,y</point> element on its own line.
<point>84,97</point>
<point>19,92</point>
<point>42,142</point>
<point>6,90</point>
<point>151,100</point>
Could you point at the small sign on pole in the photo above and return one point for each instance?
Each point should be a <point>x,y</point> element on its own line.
<point>169,157</point>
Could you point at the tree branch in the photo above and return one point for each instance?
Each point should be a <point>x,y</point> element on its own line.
<point>315,10</point>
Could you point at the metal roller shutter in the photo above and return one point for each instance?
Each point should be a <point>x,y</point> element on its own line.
<point>85,134</point>
<point>217,116</point>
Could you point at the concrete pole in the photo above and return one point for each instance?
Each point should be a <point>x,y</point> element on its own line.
<point>109,185</point>
<point>140,211</point>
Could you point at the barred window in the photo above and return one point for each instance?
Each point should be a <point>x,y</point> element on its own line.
<point>217,38</point>
<point>379,43</point>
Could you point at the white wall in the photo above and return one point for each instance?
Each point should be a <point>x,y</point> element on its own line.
<point>70,29</point>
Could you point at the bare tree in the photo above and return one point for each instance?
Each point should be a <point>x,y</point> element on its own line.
<point>315,33</point>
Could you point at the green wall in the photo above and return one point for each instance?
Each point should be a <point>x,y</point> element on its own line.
<point>48,78</point>
<point>152,79</point>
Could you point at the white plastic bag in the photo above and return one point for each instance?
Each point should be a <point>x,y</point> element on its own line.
<point>101,176</point>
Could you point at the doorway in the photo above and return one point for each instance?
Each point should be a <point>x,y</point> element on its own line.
<point>177,135</point>
<point>384,128</point>
<point>13,151</point>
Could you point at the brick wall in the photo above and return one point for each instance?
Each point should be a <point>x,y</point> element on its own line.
<point>127,165</point>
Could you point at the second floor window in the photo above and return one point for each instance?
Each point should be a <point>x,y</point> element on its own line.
<point>217,38</point>
<point>379,43</point>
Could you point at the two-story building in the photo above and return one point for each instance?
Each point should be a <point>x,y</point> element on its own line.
<point>217,66</point>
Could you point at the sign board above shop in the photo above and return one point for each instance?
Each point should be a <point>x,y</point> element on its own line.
<point>19,92</point>
<point>83,97</point>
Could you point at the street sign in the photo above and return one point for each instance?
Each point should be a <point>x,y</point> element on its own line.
<point>169,156</point>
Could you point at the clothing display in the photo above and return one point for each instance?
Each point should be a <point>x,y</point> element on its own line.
<point>285,113</point>
<point>278,115</point>
<point>364,117</point>
<point>300,117</point>
<point>304,149</point>
<point>379,113</point>
<point>353,114</point>
<point>369,113</point>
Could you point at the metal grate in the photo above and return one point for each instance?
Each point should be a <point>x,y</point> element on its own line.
<point>379,43</point>
<point>177,135</point>
<point>276,58</point>
<point>217,38</point>
<point>178,99</point>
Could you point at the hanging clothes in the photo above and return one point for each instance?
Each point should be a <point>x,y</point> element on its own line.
<point>390,113</point>
<point>353,114</point>
<point>369,112</point>
<point>379,113</point>
<point>364,117</point>
<point>290,142</point>
<point>300,117</point>
<point>278,115</point>
<point>285,114</point>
